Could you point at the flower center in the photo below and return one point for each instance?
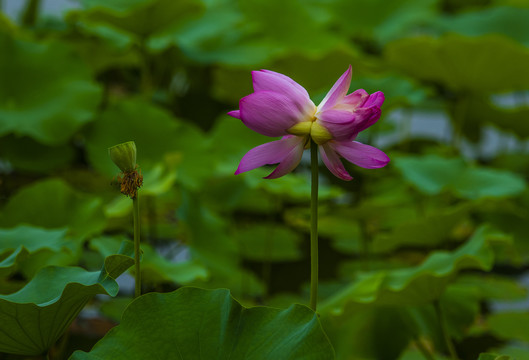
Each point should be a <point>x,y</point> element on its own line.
<point>312,128</point>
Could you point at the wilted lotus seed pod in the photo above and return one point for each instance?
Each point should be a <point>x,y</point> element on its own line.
<point>124,155</point>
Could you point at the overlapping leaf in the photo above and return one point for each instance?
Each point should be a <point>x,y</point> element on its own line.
<point>48,104</point>
<point>420,284</point>
<point>432,174</point>
<point>54,204</point>
<point>197,323</point>
<point>33,318</point>
<point>31,248</point>
<point>463,64</point>
<point>155,268</point>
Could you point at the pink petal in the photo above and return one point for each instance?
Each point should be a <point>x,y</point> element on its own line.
<point>271,153</point>
<point>333,162</point>
<point>375,99</point>
<point>340,123</point>
<point>266,80</point>
<point>360,154</point>
<point>269,113</point>
<point>235,113</point>
<point>345,125</point>
<point>338,91</point>
<point>364,118</point>
<point>290,161</point>
<point>356,99</point>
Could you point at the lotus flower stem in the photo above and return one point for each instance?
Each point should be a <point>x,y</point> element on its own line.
<point>136,215</point>
<point>314,226</point>
<point>444,330</point>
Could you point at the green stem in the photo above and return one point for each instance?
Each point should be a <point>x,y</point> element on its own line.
<point>314,226</point>
<point>444,329</point>
<point>136,215</point>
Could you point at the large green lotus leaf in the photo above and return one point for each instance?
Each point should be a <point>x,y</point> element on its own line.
<point>510,325</point>
<point>140,18</point>
<point>52,203</point>
<point>268,242</point>
<point>155,268</point>
<point>506,20</point>
<point>33,318</point>
<point>463,64</point>
<point>432,174</point>
<point>194,323</point>
<point>32,248</point>
<point>47,103</point>
<point>428,231</point>
<point>419,284</point>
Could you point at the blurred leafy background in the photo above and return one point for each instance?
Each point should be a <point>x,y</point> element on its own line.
<point>445,223</point>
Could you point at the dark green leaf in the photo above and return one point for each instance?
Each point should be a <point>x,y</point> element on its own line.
<point>268,242</point>
<point>420,284</point>
<point>194,323</point>
<point>33,318</point>
<point>48,104</point>
<point>463,64</point>
<point>54,204</point>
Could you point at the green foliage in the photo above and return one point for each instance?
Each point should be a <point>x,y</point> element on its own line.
<point>55,204</point>
<point>155,268</point>
<point>31,248</point>
<point>420,284</point>
<point>211,324</point>
<point>489,356</point>
<point>33,318</point>
<point>48,104</point>
<point>509,325</point>
<point>432,174</point>
<point>163,73</point>
<point>463,64</point>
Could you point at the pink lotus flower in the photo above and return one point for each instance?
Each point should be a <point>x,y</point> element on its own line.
<point>281,107</point>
